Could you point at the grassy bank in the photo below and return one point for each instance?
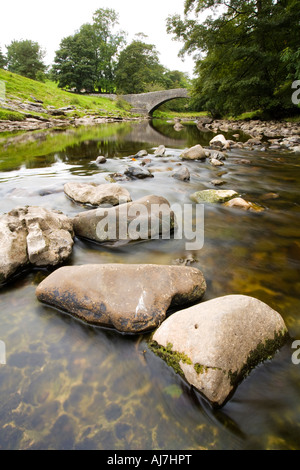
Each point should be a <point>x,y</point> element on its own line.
<point>21,89</point>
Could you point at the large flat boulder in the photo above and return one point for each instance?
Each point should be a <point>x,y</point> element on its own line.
<point>215,344</point>
<point>130,298</point>
<point>97,194</point>
<point>33,236</point>
<point>145,218</point>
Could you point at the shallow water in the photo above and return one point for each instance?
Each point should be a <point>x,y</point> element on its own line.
<point>67,385</point>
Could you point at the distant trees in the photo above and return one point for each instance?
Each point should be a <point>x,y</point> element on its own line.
<point>247,53</point>
<point>87,59</point>
<point>25,58</point>
<point>2,60</point>
<point>138,68</point>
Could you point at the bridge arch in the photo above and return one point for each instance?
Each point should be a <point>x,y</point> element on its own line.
<point>147,103</point>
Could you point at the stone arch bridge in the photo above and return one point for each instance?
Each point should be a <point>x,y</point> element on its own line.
<point>147,103</point>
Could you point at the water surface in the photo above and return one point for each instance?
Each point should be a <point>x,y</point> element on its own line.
<point>67,385</point>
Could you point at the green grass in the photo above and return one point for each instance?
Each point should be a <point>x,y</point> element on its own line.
<point>174,114</point>
<point>24,89</point>
<point>7,115</point>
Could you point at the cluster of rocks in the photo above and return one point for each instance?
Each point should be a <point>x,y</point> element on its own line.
<point>50,116</point>
<point>271,135</point>
<point>213,345</point>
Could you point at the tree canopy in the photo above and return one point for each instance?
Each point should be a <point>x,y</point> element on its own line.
<point>247,53</point>
<point>87,59</point>
<point>25,58</point>
<point>2,60</point>
<point>139,68</point>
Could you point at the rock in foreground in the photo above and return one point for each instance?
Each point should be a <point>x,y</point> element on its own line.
<point>97,194</point>
<point>145,218</point>
<point>33,236</point>
<point>215,344</point>
<point>131,298</point>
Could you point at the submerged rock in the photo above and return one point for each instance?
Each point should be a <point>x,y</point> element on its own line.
<point>215,344</point>
<point>240,203</point>
<point>215,162</point>
<point>145,218</point>
<point>33,236</point>
<point>130,298</point>
<point>194,153</point>
<point>213,195</point>
<point>97,194</point>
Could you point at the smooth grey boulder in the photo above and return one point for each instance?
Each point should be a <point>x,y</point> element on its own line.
<point>33,236</point>
<point>213,195</point>
<point>182,174</point>
<point>130,298</point>
<point>97,194</point>
<point>145,218</point>
<point>194,153</point>
<point>215,344</point>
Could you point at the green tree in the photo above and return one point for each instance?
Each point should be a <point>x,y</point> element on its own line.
<point>2,60</point>
<point>242,62</point>
<point>25,57</point>
<point>138,69</point>
<point>75,61</point>
<point>87,59</point>
<point>176,79</point>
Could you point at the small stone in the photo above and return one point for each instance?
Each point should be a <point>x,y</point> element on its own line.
<point>97,194</point>
<point>218,182</point>
<point>238,202</point>
<point>100,160</point>
<point>218,141</point>
<point>215,162</point>
<point>182,174</point>
<point>141,153</point>
<point>194,153</point>
<point>213,195</point>
<point>138,173</point>
<point>160,151</point>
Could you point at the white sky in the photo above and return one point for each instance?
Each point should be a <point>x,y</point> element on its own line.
<point>48,22</point>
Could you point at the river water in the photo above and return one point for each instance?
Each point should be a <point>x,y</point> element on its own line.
<point>66,385</point>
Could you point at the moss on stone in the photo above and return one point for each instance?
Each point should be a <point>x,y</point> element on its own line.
<point>263,352</point>
<point>172,358</point>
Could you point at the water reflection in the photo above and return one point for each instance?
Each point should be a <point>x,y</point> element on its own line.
<point>70,386</point>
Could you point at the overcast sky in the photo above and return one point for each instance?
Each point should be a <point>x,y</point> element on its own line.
<point>48,22</point>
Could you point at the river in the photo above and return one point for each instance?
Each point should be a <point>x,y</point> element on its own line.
<point>66,385</point>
